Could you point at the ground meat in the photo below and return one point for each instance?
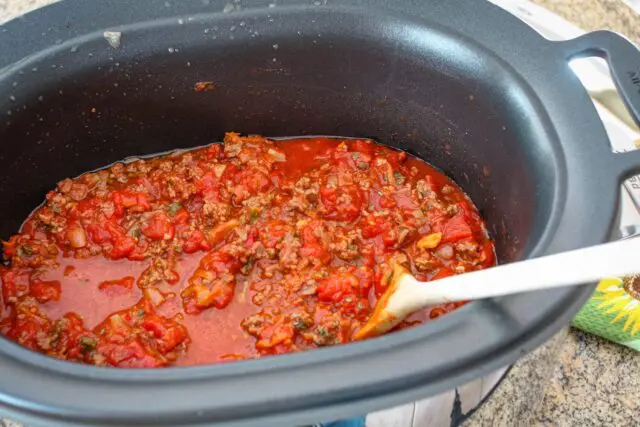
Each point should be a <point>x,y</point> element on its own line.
<point>78,191</point>
<point>425,262</point>
<point>237,250</point>
<point>301,320</point>
<point>254,323</point>
<point>404,236</point>
<point>303,183</point>
<point>271,270</point>
<point>468,251</point>
<point>232,148</point>
<point>298,203</point>
<point>258,202</point>
<point>52,222</point>
<point>159,270</point>
<point>423,190</point>
<point>215,212</point>
<point>328,331</point>
<point>466,247</point>
<point>65,186</point>
<point>289,251</point>
<point>118,173</point>
<point>309,288</point>
<point>447,189</point>
<point>346,245</point>
<point>452,210</point>
<point>165,166</point>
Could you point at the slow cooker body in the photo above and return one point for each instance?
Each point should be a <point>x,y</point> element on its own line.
<point>461,84</point>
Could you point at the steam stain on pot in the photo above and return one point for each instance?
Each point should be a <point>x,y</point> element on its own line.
<point>204,86</point>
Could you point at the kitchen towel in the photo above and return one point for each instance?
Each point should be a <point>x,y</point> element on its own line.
<point>613,311</point>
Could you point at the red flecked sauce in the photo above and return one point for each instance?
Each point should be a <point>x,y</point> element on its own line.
<point>231,251</point>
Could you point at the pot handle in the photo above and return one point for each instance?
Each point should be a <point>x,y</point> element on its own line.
<point>623,58</point>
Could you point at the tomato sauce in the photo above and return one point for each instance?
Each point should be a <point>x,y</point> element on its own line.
<point>231,251</point>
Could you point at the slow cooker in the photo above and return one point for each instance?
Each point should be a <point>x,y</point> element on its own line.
<point>459,83</point>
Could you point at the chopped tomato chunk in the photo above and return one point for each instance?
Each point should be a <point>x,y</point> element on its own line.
<point>196,242</point>
<point>158,227</point>
<point>128,200</point>
<point>167,334</point>
<point>15,284</point>
<point>342,203</point>
<point>117,286</point>
<point>122,247</point>
<point>335,289</point>
<point>362,146</point>
<point>456,228</point>
<point>45,291</point>
<point>98,234</point>
<point>318,252</point>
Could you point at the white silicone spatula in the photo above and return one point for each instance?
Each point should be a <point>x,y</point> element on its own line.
<point>406,295</point>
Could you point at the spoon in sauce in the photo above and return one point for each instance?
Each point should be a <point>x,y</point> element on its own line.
<point>406,295</point>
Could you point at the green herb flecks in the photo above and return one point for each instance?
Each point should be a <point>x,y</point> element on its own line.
<point>300,323</point>
<point>24,251</point>
<point>135,232</point>
<point>254,214</point>
<point>88,344</point>
<point>322,331</point>
<point>246,268</point>
<point>174,208</point>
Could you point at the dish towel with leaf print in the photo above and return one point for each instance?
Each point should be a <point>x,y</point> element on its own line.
<point>613,311</point>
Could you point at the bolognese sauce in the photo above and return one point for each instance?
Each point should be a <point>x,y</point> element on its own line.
<point>232,251</point>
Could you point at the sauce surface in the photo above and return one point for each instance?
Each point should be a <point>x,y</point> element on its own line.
<point>231,251</point>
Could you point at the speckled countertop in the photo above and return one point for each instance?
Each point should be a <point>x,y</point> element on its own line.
<point>594,382</point>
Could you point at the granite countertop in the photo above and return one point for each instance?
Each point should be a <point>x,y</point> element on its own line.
<point>591,15</point>
<point>594,382</point>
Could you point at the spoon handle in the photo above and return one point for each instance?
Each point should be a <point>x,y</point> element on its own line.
<point>568,268</point>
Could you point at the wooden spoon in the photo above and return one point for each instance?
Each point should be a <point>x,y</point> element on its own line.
<point>406,295</point>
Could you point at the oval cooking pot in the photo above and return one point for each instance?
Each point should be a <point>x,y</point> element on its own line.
<point>461,83</point>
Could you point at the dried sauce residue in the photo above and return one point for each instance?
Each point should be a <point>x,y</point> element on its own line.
<point>204,86</point>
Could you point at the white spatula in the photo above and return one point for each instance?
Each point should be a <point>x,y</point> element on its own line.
<point>406,295</point>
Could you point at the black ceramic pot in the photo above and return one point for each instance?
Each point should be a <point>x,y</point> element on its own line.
<point>459,83</point>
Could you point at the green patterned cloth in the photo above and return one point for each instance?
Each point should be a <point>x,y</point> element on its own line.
<point>613,312</point>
